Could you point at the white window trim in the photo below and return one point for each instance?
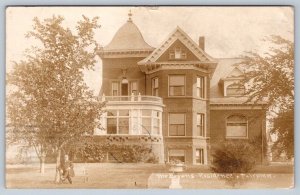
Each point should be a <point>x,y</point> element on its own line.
<point>117,119</point>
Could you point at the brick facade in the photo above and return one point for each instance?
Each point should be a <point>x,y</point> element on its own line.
<point>144,63</point>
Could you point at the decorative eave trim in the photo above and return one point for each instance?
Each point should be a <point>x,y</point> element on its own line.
<point>123,53</point>
<point>194,65</point>
<point>178,34</point>
<point>149,69</point>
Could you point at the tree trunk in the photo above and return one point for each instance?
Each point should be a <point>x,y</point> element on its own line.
<point>42,164</point>
<point>58,173</point>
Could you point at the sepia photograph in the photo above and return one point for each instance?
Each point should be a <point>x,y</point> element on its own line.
<point>149,97</point>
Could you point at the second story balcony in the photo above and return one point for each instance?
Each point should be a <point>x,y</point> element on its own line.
<point>132,100</point>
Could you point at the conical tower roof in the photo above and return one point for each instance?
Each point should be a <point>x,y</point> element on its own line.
<point>128,38</point>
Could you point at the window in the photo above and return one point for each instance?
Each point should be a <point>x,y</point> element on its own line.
<point>200,156</point>
<point>235,90</point>
<point>156,123</point>
<point>176,124</point>
<point>146,121</point>
<point>177,54</point>
<point>176,155</point>
<point>200,87</point>
<point>134,121</point>
<point>115,88</point>
<point>133,88</point>
<point>155,86</point>
<point>118,122</point>
<point>236,127</point>
<point>123,122</point>
<point>176,85</point>
<point>112,122</point>
<point>200,125</point>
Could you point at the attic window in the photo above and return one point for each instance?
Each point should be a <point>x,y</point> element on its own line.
<point>235,90</point>
<point>177,54</point>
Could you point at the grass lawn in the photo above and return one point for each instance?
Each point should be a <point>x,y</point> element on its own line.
<point>116,175</point>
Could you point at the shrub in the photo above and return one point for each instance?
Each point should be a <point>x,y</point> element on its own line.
<point>234,157</point>
<point>94,152</point>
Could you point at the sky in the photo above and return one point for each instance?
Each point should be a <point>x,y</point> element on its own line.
<point>228,31</point>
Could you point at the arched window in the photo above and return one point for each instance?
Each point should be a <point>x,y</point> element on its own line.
<point>235,89</point>
<point>236,127</point>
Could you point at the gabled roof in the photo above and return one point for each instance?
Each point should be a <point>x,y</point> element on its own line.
<point>235,73</point>
<point>128,38</point>
<point>178,34</point>
<point>224,68</point>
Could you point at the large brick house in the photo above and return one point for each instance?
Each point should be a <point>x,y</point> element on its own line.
<point>175,98</point>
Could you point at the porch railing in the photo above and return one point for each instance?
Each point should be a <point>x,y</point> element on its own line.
<point>132,98</point>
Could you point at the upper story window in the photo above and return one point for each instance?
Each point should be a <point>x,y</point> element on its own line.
<point>176,85</point>
<point>200,125</point>
<point>235,89</point>
<point>176,124</point>
<point>154,85</point>
<point>237,126</point>
<point>115,88</point>
<point>200,87</point>
<point>133,88</point>
<point>177,54</point>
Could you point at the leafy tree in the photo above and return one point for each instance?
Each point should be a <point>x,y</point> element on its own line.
<point>284,129</point>
<point>50,106</point>
<point>271,75</point>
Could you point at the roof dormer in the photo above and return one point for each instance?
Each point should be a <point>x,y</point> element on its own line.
<point>231,85</point>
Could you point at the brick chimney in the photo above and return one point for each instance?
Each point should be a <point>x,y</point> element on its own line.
<point>202,43</point>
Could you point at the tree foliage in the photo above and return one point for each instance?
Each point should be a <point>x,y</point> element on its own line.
<point>284,128</point>
<point>269,77</point>
<point>49,104</point>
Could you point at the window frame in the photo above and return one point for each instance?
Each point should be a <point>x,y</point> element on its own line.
<point>201,88</point>
<point>202,116</point>
<point>184,153</point>
<point>201,158</point>
<point>130,87</point>
<point>246,124</point>
<point>184,85</point>
<point>182,53</point>
<point>235,95</point>
<point>169,114</point>
<point>153,86</point>
<point>119,88</point>
<point>117,117</point>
